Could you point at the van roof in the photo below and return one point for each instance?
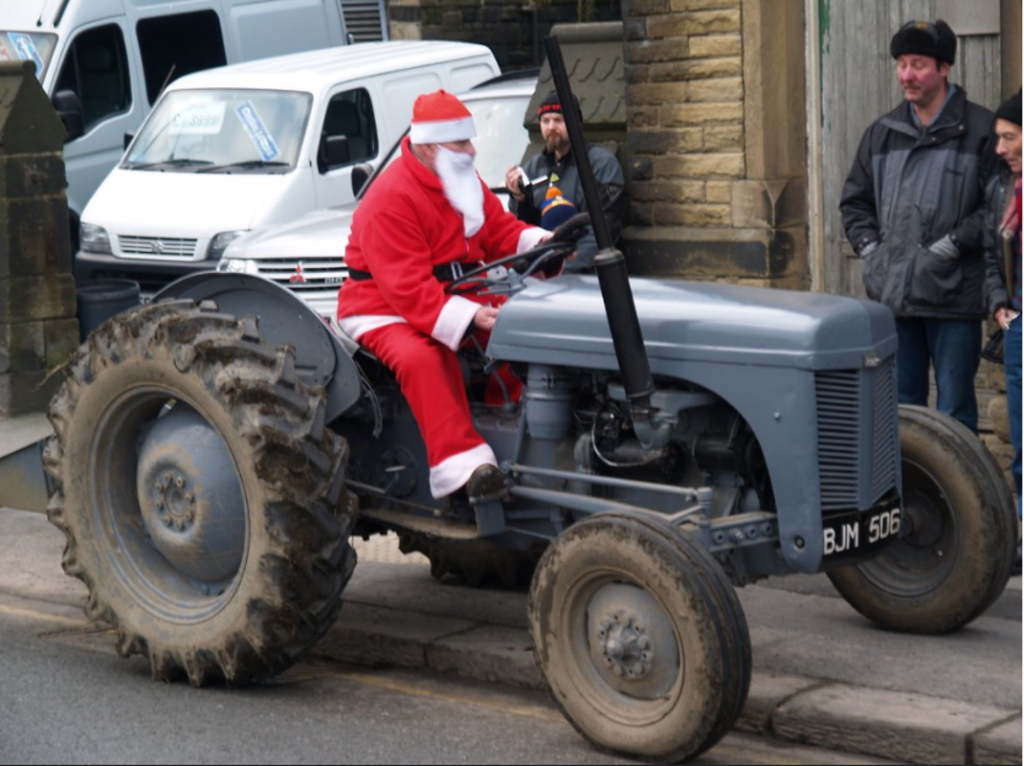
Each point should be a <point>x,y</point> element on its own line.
<point>23,15</point>
<point>313,70</point>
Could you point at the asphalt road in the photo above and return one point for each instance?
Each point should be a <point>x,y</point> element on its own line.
<point>67,698</point>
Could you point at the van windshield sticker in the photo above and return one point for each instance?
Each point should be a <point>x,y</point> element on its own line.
<point>27,50</point>
<point>5,54</point>
<point>258,132</point>
<point>198,120</point>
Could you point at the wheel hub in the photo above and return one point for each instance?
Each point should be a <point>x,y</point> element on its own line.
<point>627,647</point>
<point>191,498</point>
<point>632,645</point>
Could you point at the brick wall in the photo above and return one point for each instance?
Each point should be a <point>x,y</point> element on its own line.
<point>684,90</point>
<point>508,27</point>
<point>717,157</point>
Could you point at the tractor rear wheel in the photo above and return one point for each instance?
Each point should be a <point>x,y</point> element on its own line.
<point>958,537</point>
<point>201,494</point>
<point>640,636</point>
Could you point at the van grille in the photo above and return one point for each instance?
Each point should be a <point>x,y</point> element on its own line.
<point>305,276</point>
<point>157,247</point>
<point>858,452</point>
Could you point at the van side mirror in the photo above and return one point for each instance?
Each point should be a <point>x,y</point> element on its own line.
<point>128,138</point>
<point>360,175</point>
<point>337,152</point>
<point>69,109</point>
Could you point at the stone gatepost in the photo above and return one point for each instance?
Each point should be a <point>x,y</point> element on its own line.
<point>38,329</point>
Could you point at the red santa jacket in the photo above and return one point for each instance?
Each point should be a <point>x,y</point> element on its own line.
<point>402,229</point>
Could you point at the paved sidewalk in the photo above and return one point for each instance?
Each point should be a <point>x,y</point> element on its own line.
<point>894,708</point>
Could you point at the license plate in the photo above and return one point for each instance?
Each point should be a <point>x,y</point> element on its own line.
<point>852,535</point>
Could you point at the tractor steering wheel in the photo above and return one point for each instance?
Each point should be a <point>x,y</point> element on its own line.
<point>545,257</point>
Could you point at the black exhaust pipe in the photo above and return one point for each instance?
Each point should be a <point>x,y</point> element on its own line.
<point>612,275</point>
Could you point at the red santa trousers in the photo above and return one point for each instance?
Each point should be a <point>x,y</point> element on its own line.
<point>431,380</point>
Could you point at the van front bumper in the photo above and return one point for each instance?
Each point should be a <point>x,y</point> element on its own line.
<point>152,275</point>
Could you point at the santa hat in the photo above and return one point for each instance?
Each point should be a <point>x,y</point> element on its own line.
<point>556,209</point>
<point>438,118</point>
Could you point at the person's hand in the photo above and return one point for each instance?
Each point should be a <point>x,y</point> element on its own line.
<point>485,318</point>
<point>514,183</point>
<point>1004,317</point>
<point>945,248</point>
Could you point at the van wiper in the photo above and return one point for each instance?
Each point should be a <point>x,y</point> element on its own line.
<point>184,162</point>
<point>247,165</point>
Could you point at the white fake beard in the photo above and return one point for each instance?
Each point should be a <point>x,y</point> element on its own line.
<point>462,187</point>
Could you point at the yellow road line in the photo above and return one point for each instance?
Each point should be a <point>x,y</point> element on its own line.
<point>732,753</point>
<point>32,614</point>
<point>416,691</point>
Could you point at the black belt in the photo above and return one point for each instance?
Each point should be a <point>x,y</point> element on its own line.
<point>446,272</point>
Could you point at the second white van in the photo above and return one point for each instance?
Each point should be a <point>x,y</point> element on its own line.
<point>236,149</point>
<point>105,62</point>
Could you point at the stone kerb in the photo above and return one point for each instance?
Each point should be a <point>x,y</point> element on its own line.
<point>38,329</point>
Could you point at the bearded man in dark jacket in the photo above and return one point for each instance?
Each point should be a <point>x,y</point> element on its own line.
<point>913,209</point>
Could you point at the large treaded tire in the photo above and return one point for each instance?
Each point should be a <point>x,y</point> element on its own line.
<point>478,563</point>
<point>286,592</point>
<point>686,592</point>
<point>954,561</point>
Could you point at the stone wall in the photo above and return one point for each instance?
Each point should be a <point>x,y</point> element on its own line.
<point>717,158</point>
<point>38,329</point>
<point>513,29</point>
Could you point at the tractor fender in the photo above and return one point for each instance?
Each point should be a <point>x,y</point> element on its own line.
<point>284,319</point>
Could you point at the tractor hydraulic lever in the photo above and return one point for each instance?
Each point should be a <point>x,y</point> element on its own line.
<point>612,275</point>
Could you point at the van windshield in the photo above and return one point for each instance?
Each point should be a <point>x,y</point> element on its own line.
<point>222,131</point>
<point>28,46</point>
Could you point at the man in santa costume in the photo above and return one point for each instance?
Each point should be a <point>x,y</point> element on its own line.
<point>426,218</point>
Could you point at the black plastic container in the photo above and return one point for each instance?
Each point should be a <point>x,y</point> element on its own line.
<point>100,300</point>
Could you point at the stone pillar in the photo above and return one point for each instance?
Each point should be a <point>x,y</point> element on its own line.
<point>717,140</point>
<point>38,329</point>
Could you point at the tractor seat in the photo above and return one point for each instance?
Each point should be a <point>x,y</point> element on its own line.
<point>366,359</point>
<point>350,344</point>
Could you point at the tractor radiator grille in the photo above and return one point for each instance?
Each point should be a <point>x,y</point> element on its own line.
<point>886,467</point>
<point>838,398</point>
<point>858,451</point>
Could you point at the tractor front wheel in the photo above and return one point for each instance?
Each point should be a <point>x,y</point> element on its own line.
<point>640,637</point>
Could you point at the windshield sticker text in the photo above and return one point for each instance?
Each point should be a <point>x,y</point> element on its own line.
<point>258,132</point>
<point>201,120</point>
<point>27,50</point>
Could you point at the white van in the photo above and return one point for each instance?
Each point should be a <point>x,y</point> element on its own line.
<point>105,62</point>
<point>237,149</point>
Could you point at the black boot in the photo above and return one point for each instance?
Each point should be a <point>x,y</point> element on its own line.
<point>485,484</point>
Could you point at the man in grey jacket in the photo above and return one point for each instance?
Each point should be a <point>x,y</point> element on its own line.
<point>555,167</point>
<point>913,209</point>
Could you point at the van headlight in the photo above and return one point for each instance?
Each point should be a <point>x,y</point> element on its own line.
<point>220,243</point>
<point>94,239</point>
<point>239,266</point>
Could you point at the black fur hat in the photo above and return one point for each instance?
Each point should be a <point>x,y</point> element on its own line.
<point>1010,109</point>
<point>923,38</point>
